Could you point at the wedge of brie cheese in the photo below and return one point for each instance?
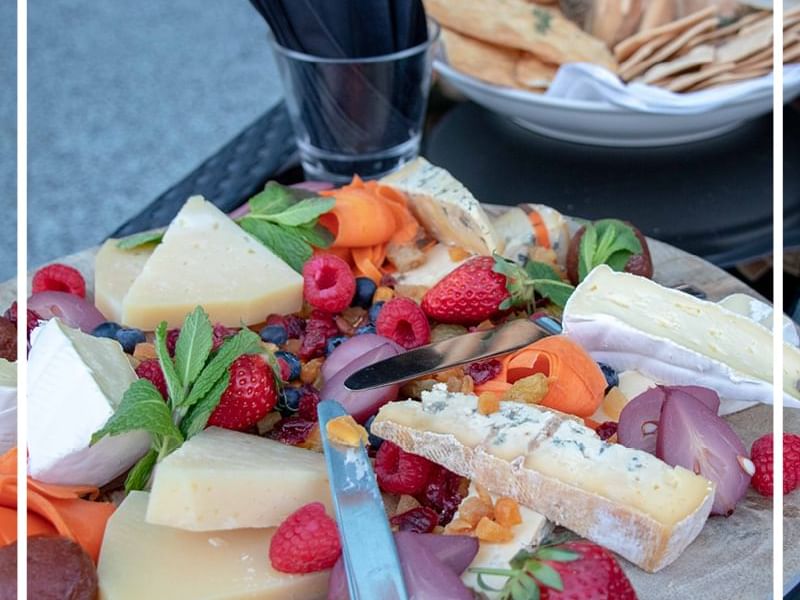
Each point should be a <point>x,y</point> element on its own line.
<point>446,208</point>
<point>630,322</point>
<point>75,383</point>
<point>8,405</point>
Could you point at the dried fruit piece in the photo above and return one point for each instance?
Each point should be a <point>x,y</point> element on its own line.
<point>417,520</point>
<point>472,510</point>
<point>488,403</point>
<point>613,403</point>
<point>344,430</point>
<point>530,390</point>
<point>459,527</point>
<point>313,440</point>
<point>506,512</point>
<point>489,531</point>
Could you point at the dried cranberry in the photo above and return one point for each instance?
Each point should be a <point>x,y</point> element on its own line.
<point>295,326</point>
<point>221,333</point>
<point>172,340</point>
<point>483,371</point>
<point>309,398</point>
<point>292,430</point>
<point>417,520</point>
<point>319,328</point>
<point>32,320</point>
<point>443,493</point>
<point>606,430</point>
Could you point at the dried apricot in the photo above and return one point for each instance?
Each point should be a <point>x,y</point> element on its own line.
<point>344,430</point>
<point>472,510</point>
<point>458,527</point>
<point>489,531</point>
<point>506,512</point>
<point>488,403</point>
<point>613,403</point>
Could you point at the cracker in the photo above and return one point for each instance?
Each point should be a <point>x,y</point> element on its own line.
<point>645,51</point>
<point>745,44</point>
<point>627,47</point>
<point>478,59</point>
<point>791,54</point>
<point>539,30</point>
<point>733,28</point>
<point>722,79</point>
<point>668,49</point>
<point>765,54</point>
<point>531,72</point>
<point>702,55</point>
<point>657,13</point>
<point>684,82</point>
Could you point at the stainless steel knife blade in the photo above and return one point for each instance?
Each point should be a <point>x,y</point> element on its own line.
<point>453,352</point>
<point>370,555</point>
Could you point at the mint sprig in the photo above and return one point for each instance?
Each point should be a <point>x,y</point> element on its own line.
<point>607,242</point>
<point>527,573</point>
<point>196,379</point>
<point>141,239</point>
<point>523,283</point>
<point>285,220</point>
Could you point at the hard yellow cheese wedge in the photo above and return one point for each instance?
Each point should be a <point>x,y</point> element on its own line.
<point>223,479</point>
<point>115,270</point>
<point>139,561</point>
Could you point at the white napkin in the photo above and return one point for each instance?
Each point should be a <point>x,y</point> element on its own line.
<point>588,82</point>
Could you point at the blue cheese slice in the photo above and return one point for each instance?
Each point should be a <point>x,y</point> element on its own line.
<point>621,498</point>
<point>445,207</point>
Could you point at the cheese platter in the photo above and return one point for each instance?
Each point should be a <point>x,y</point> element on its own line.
<point>501,456</point>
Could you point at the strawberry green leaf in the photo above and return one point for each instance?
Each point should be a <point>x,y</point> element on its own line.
<point>547,575</point>
<point>556,554</point>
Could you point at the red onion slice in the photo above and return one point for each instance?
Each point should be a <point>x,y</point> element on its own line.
<point>351,349</point>
<point>694,437</point>
<point>75,312</point>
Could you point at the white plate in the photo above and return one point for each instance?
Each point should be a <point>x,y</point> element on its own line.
<point>606,124</point>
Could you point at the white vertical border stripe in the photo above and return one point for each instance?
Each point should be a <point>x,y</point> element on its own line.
<point>777,291</point>
<point>22,296</point>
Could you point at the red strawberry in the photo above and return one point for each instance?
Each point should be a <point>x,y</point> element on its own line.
<point>250,395</point>
<point>762,453</point>
<point>306,542</point>
<point>579,569</point>
<point>470,294</point>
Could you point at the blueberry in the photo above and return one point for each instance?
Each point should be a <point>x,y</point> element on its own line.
<point>374,441</point>
<point>365,329</point>
<point>128,338</point>
<point>108,329</point>
<point>291,360</point>
<point>333,342</point>
<point>365,290</point>
<point>612,379</point>
<point>289,401</point>
<point>374,311</point>
<point>274,334</point>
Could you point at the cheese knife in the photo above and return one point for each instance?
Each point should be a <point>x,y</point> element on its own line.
<point>370,556</point>
<point>455,351</point>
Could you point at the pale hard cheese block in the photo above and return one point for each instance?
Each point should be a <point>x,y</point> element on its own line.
<point>527,535</point>
<point>115,270</point>
<point>8,405</point>
<point>630,322</point>
<point>624,499</point>
<point>222,479</point>
<point>206,259</point>
<point>139,561</point>
<point>446,208</point>
<point>75,383</point>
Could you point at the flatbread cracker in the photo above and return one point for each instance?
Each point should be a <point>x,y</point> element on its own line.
<point>539,30</point>
<point>478,59</point>
<point>668,49</point>
<point>702,55</point>
<point>745,44</point>
<point>645,51</point>
<point>684,82</point>
<point>733,28</point>
<point>627,47</point>
<point>530,72</point>
<point>722,79</point>
<point>657,13</point>
<point>791,54</point>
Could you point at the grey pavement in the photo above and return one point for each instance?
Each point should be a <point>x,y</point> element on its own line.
<point>8,140</point>
<point>124,99</point>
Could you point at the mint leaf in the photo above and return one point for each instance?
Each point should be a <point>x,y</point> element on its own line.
<point>193,347</point>
<point>558,292</point>
<point>588,246</point>
<point>540,270</point>
<point>316,235</point>
<point>175,388</point>
<point>141,239</point>
<point>142,408</point>
<point>289,247</point>
<point>607,241</point>
<point>139,475</point>
<point>306,211</point>
<point>274,199</point>
<point>244,342</point>
<point>197,417</point>
<point>618,260</point>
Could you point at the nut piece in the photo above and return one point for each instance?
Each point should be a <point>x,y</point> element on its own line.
<point>344,430</point>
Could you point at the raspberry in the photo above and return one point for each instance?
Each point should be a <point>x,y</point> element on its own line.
<point>606,430</point>
<point>443,493</point>
<point>417,520</point>
<point>220,334</point>
<point>328,283</point>
<point>306,542</point>
<point>400,472</point>
<point>403,321</point>
<point>295,326</point>
<point>761,454</point>
<point>151,370</point>
<point>250,395</point>
<point>292,431</point>
<point>172,340</point>
<point>59,278</point>
<point>309,398</point>
<point>319,328</point>
<point>483,371</point>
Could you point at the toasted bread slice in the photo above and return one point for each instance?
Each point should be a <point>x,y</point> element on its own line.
<point>623,499</point>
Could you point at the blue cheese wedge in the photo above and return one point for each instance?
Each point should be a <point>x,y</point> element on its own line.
<point>445,207</point>
<point>631,322</point>
<point>624,499</point>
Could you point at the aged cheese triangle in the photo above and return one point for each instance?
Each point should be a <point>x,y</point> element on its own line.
<point>206,259</point>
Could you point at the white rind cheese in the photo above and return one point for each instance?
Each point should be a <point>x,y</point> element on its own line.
<point>76,382</point>
<point>139,561</point>
<point>446,208</point>
<point>761,313</point>
<point>624,499</point>
<point>631,322</point>
<point>206,259</point>
<point>8,405</point>
<point>222,479</point>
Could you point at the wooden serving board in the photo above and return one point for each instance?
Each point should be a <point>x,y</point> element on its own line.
<point>731,559</point>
